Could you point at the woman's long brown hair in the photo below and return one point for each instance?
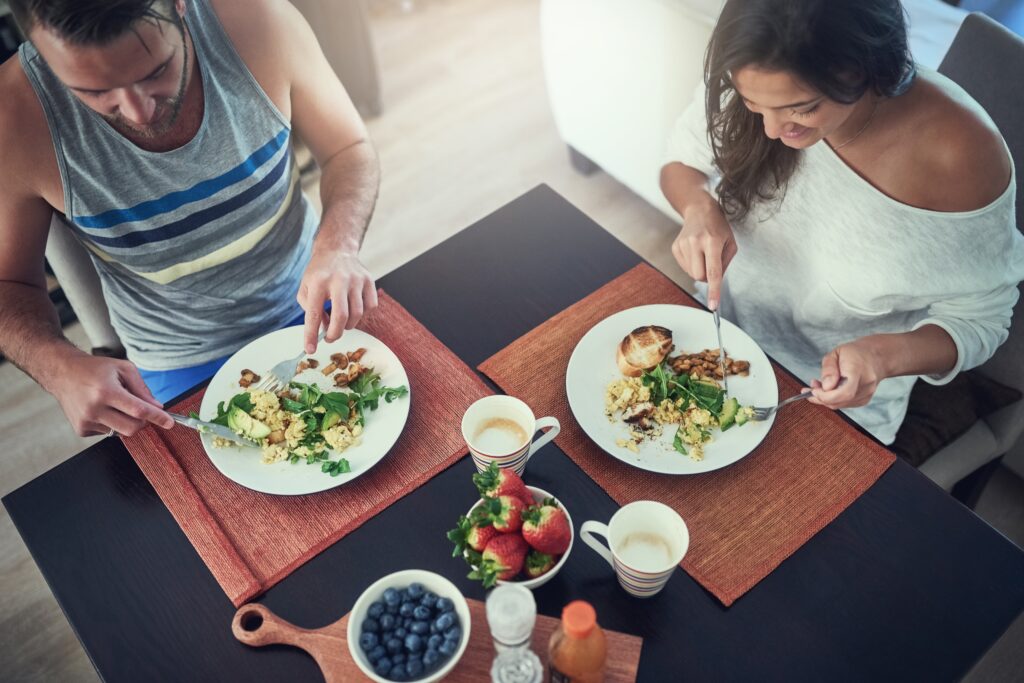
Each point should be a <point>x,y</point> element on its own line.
<point>842,48</point>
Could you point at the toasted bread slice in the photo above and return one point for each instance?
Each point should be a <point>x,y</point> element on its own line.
<point>643,349</point>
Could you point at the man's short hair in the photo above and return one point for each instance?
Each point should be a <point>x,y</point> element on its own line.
<point>90,22</point>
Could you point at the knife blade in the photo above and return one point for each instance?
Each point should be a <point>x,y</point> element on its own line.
<point>204,427</point>
<point>721,350</point>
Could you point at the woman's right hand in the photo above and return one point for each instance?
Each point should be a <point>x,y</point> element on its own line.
<point>102,394</point>
<point>705,246</point>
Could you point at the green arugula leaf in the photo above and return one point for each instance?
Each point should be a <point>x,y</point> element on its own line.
<point>677,442</point>
<point>293,406</point>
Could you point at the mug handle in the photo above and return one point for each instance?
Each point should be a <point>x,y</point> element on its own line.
<point>554,427</point>
<point>587,533</point>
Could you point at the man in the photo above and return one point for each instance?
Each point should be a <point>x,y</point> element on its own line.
<point>159,131</point>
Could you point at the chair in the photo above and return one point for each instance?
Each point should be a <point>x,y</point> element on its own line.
<point>987,61</point>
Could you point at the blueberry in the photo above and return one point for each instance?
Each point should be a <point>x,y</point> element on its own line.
<point>387,622</point>
<point>368,641</point>
<point>421,613</point>
<point>406,609</point>
<point>391,597</point>
<point>414,668</point>
<point>431,658</point>
<point>405,594</point>
<point>434,641</point>
<point>445,605</point>
<point>401,633</point>
<point>420,628</point>
<point>391,609</point>
<point>429,600</point>
<point>407,623</point>
<point>399,658</point>
<point>382,666</point>
<point>454,633</point>
<point>394,646</point>
<point>448,647</point>
<point>397,673</point>
<point>376,609</point>
<point>413,643</point>
<point>415,590</point>
<point>371,625</point>
<point>376,653</point>
<point>445,621</point>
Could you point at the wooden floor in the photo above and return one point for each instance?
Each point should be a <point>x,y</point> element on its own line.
<point>466,128</point>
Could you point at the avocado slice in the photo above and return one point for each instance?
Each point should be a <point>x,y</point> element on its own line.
<point>244,424</point>
<point>331,418</point>
<point>742,415</point>
<point>730,411</point>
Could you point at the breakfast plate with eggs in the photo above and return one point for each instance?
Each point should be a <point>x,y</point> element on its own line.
<point>645,385</point>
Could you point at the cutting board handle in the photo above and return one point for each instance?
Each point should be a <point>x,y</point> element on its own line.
<point>257,626</point>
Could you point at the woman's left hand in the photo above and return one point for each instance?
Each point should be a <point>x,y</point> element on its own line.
<point>860,364</point>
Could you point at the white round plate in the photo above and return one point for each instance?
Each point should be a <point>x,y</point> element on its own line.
<point>382,429</point>
<point>592,367</point>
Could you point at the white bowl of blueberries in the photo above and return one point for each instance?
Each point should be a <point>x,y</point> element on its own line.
<point>412,625</point>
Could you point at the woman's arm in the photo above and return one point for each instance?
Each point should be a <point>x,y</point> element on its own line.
<point>958,334</point>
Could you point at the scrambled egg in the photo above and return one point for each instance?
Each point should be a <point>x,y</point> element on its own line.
<point>267,409</point>
<point>625,395</point>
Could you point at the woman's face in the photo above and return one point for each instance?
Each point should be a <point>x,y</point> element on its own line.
<point>791,111</point>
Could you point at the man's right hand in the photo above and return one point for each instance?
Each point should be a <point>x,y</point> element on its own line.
<point>103,394</point>
<point>705,246</point>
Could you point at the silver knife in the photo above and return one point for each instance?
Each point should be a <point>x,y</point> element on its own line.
<point>721,350</point>
<point>204,427</point>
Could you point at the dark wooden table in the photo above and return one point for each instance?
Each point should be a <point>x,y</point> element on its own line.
<point>905,585</point>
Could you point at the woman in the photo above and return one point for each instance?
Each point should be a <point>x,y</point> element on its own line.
<point>864,208</point>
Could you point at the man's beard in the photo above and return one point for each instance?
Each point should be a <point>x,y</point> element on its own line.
<point>172,106</point>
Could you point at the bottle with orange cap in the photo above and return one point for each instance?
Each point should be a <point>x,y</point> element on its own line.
<point>577,649</point>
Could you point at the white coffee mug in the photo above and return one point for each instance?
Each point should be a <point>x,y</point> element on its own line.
<point>648,540</point>
<point>500,429</point>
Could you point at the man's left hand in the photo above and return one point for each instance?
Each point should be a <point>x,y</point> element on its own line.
<point>341,278</point>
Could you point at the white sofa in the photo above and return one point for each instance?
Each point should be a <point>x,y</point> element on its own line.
<point>619,73</point>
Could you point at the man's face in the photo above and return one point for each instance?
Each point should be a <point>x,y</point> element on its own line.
<point>136,82</point>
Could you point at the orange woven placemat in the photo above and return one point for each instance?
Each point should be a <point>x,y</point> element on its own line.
<point>251,540</point>
<point>745,519</point>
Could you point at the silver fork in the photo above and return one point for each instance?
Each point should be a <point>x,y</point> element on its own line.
<point>274,380</point>
<point>764,413</point>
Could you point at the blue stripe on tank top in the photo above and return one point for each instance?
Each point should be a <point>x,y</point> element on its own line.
<point>198,219</point>
<point>201,190</point>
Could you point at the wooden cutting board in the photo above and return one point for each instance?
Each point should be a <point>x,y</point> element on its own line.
<point>257,626</point>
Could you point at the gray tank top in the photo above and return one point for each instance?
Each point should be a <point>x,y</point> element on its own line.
<point>199,249</point>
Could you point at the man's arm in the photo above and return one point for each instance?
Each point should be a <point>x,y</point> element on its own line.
<point>96,394</point>
<point>292,69</point>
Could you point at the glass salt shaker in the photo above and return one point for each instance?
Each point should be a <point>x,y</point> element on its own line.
<point>511,614</point>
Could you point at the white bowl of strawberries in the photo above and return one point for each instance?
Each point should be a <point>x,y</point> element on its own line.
<point>514,534</point>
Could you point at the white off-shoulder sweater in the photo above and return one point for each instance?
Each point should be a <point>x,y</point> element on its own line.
<point>837,260</point>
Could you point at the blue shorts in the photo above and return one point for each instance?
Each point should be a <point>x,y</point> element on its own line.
<point>167,384</point>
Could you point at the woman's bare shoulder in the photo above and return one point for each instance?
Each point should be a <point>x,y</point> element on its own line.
<point>958,149</point>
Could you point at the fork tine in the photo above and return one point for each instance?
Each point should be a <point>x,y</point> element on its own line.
<point>267,383</point>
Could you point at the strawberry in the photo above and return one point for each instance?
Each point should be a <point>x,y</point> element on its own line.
<point>505,513</point>
<point>471,533</point>
<point>546,528</point>
<point>538,564</point>
<point>502,559</point>
<point>494,482</point>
